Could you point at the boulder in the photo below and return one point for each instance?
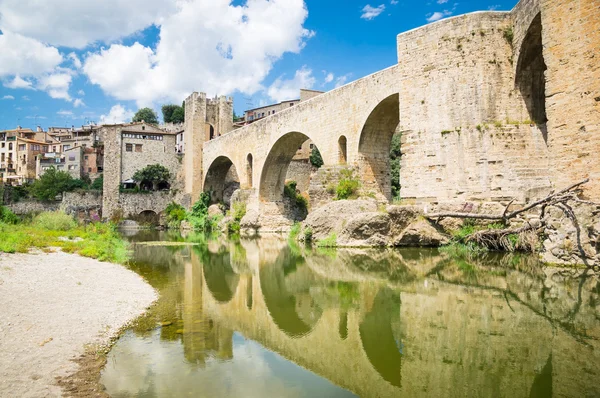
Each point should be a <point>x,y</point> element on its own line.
<point>215,210</point>
<point>333,217</point>
<point>366,229</point>
<point>421,233</point>
<point>401,217</point>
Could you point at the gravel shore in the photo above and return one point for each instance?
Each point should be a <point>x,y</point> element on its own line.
<point>52,308</point>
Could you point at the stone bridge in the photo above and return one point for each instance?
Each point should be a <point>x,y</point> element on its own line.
<point>491,106</point>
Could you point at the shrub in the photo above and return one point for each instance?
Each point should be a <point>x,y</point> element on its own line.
<point>55,221</point>
<point>198,216</point>
<point>52,183</point>
<point>238,212</point>
<point>295,230</point>
<point>7,216</point>
<point>175,214</point>
<point>348,186</point>
<point>297,200</point>
<point>98,183</point>
<point>308,234</point>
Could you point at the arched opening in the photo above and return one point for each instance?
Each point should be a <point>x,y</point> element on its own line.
<point>249,170</point>
<point>343,150</point>
<point>249,298</point>
<point>530,76</point>
<point>146,185</point>
<point>209,132</point>
<point>164,186</point>
<point>295,147</point>
<point>148,217</point>
<point>221,180</point>
<point>374,147</point>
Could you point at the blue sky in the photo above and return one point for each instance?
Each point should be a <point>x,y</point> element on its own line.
<point>68,63</point>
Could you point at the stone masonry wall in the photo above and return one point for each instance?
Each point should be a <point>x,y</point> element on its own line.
<point>465,137</point>
<point>571,39</point>
<point>153,152</point>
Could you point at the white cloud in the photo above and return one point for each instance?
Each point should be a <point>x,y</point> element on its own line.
<point>25,98</point>
<point>210,46</point>
<point>65,113</point>
<point>436,16</point>
<point>370,13</point>
<point>329,78</point>
<point>18,82</point>
<point>442,1</point>
<point>56,84</point>
<point>24,56</point>
<point>78,102</point>
<point>8,97</point>
<point>340,81</point>
<point>81,92</point>
<point>282,90</point>
<point>394,2</point>
<point>494,7</point>
<point>77,23</point>
<point>117,114</point>
<point>75,60</point>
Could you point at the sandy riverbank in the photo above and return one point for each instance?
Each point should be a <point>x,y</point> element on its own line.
<point>52,308</point>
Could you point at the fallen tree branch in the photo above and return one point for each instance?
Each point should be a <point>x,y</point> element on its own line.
<point>553,198</point>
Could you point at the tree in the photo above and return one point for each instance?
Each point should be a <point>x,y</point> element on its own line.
<point>146,115</point>
<point>53,183</point>
<point>178,115</point>
<point>315,157</point>
<point>167,111</point>
<point>98,183</point>
<point>154,173</point>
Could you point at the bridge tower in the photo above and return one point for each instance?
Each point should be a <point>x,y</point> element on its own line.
<point>205,119</point>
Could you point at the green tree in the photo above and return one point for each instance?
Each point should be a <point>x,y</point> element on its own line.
<point>147,115</point>
<point>167,111</point>
<point>315,157</point>
<point>154,173</point>
<point>178,115</point>
<point>53,183</point>
<point>98,183</point>
<point>395,155</point>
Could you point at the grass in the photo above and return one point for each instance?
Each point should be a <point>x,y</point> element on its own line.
<point>330,241</point>
<point>348,186</point>
<point>54,229</point>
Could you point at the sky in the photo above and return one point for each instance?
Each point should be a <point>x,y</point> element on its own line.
<point>72,62</point>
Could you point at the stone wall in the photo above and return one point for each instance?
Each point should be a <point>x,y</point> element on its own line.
<point>301,172</point>
<point>133,204</point>
<point>24,207</point>
<point>571,41</point>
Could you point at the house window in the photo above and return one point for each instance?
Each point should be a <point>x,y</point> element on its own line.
<point>71,158</point>
<point>138,147</point>
<point>292,104</point>
<point>10,146</point>
<point>129,147</point>
<point>89,169</point>
<point>46,148</point>
<point>71,167</point>
<point>54,149</point>
<point>312,146</point>
<point>22,147</point>
<point>143,127</point>
<point>65,147</point>
<point>85,157</point>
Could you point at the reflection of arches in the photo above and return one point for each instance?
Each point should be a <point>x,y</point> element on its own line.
<point>343,325</point>
<point>374,146</point>
<point>286,296</point>
<point>343,150</point>
<point>378,340</point>
<point>220,278</point>
<point>530,76</point>
<point>249,170</point>
<point>249,298</point>
<point>221,180</point>
<point>272,180</point>
<point>209,132</point>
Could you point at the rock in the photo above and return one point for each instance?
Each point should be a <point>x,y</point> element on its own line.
<point>185,226</point>
<point>401,217</point>
<point>215,210</point>
<point>421,233</point>
<point>366,229</point>
<point>250,224</point>
<point>332,217</point>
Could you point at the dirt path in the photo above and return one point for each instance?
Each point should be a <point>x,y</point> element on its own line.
<point>52,308</point>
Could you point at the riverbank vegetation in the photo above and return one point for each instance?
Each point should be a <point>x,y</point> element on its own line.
<point>58,230</point>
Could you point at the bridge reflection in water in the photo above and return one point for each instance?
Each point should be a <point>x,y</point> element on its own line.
<point>261,318</point>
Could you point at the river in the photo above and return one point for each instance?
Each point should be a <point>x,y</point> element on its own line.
<point>269,318</point>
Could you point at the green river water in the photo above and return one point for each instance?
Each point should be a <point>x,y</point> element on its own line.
<point>266,318</point>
